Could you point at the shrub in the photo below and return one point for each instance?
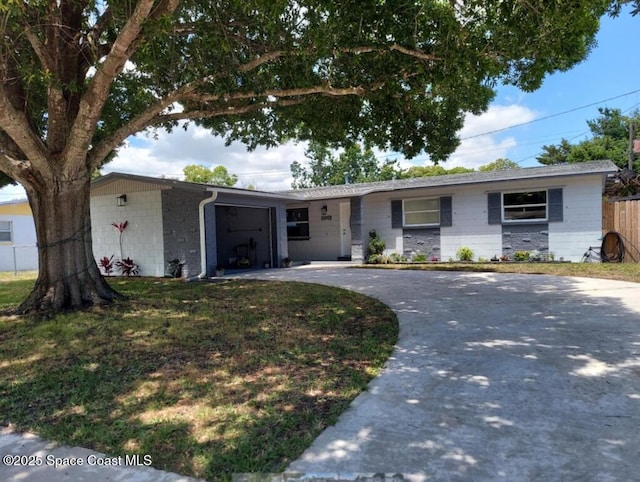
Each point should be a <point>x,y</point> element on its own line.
<point>127,267</point>
<point>521,255</point>
<point>376,244</point>
<point>378,259</point>
<point>464,254</point>
<point>106,264</point>
<point>419,258</point>
<point>397,258</point>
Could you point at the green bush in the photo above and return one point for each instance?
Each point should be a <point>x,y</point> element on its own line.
<point>397,258</point>
<point>419,258</point>
<point>465,254</point>
<point>376,244</point>
<point>521,255</point>
<point>378,259</point>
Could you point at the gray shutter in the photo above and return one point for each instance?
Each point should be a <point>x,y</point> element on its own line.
<point>494,207</point>
<point>396,214</point>
<point>446,212</point>
<point>556,206</point>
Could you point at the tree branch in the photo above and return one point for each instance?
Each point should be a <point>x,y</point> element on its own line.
<point>231,110</point>
<point>16,125</point>
<point>153,115</point>
<point>276,54</point>
<point>278,93</point>
<point>143,120</point>
<point>97,49</point>
<point>12,167</point>
<point>94,98</point>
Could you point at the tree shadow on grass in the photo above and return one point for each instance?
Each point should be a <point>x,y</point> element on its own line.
<point>208,386</point>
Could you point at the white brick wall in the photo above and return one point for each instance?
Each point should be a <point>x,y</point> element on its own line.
<point>470,226</point>
<point>377,216</point>
<point>582,225</point>
<point>142,240</point>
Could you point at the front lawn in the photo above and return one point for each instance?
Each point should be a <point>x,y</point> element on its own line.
<point>209,379</point>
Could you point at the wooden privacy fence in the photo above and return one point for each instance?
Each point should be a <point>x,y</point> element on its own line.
<point>623,216</point>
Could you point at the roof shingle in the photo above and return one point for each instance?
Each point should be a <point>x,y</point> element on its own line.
<point>349,190</point>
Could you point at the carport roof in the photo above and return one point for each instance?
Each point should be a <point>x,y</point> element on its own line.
<point>349,190</point>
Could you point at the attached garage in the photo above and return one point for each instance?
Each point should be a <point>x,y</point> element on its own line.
<point>246,236</point>
<point>201,225</point>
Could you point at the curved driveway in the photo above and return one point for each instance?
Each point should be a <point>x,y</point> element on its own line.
<point>495,376</point>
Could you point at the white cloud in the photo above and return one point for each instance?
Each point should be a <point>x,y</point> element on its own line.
<point>10,193</point>
<point>476,149</point>
<point>165,154</point>
<point>480,143</point>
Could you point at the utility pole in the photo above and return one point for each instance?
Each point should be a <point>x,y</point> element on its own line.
<point>632,136</point>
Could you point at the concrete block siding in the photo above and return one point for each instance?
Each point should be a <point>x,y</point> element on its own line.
<point>181,228</point>
<point>525,237</point>
<point>142,240</point>
<point>425,241</point>
<point>568,239</point>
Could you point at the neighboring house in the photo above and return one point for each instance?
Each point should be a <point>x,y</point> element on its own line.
<point>201,225</point>
<point>18,249</point>
<point>551,209</point>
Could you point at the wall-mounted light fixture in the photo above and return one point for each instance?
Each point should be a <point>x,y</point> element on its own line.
<point>323,210</point>
<point>121,200</point>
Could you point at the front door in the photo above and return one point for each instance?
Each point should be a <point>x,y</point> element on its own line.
<point>345,229</point>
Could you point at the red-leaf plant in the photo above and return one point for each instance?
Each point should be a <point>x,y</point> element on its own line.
<point>106,264</point>
<point>127,267</point>
<point>120,227</point>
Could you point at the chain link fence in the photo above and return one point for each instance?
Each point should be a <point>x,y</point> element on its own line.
<point>18,257</point>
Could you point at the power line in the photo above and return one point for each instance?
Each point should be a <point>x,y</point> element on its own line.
<point>548,116</point>
<point>581,134</point>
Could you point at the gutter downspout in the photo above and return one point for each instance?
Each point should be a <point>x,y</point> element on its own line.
<point>203,241</point>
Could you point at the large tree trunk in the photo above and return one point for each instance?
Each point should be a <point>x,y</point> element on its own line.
<point>68,276</point>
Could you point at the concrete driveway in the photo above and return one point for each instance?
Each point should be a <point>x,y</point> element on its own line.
<point>495,376</point>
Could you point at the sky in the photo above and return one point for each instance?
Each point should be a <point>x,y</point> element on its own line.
<point>609,77</point>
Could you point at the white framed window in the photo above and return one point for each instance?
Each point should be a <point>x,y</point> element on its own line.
<point>421,212</point>
<point>298,223</point>
<point>524,206</point>
<point>6,233</point>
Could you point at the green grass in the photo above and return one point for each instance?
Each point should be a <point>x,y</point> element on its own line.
<point>209,379</point>
<point>623,271</point>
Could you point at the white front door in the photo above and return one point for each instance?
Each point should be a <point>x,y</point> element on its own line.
<point>345,229</point>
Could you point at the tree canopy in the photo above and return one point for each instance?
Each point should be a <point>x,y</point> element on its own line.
<point>357,165</point>
<point>499,165</point>
<point>609,140</point>
<point>80,76</point>
<point>353,165</point>
<point>434,170</point>
<point>218,175</point>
